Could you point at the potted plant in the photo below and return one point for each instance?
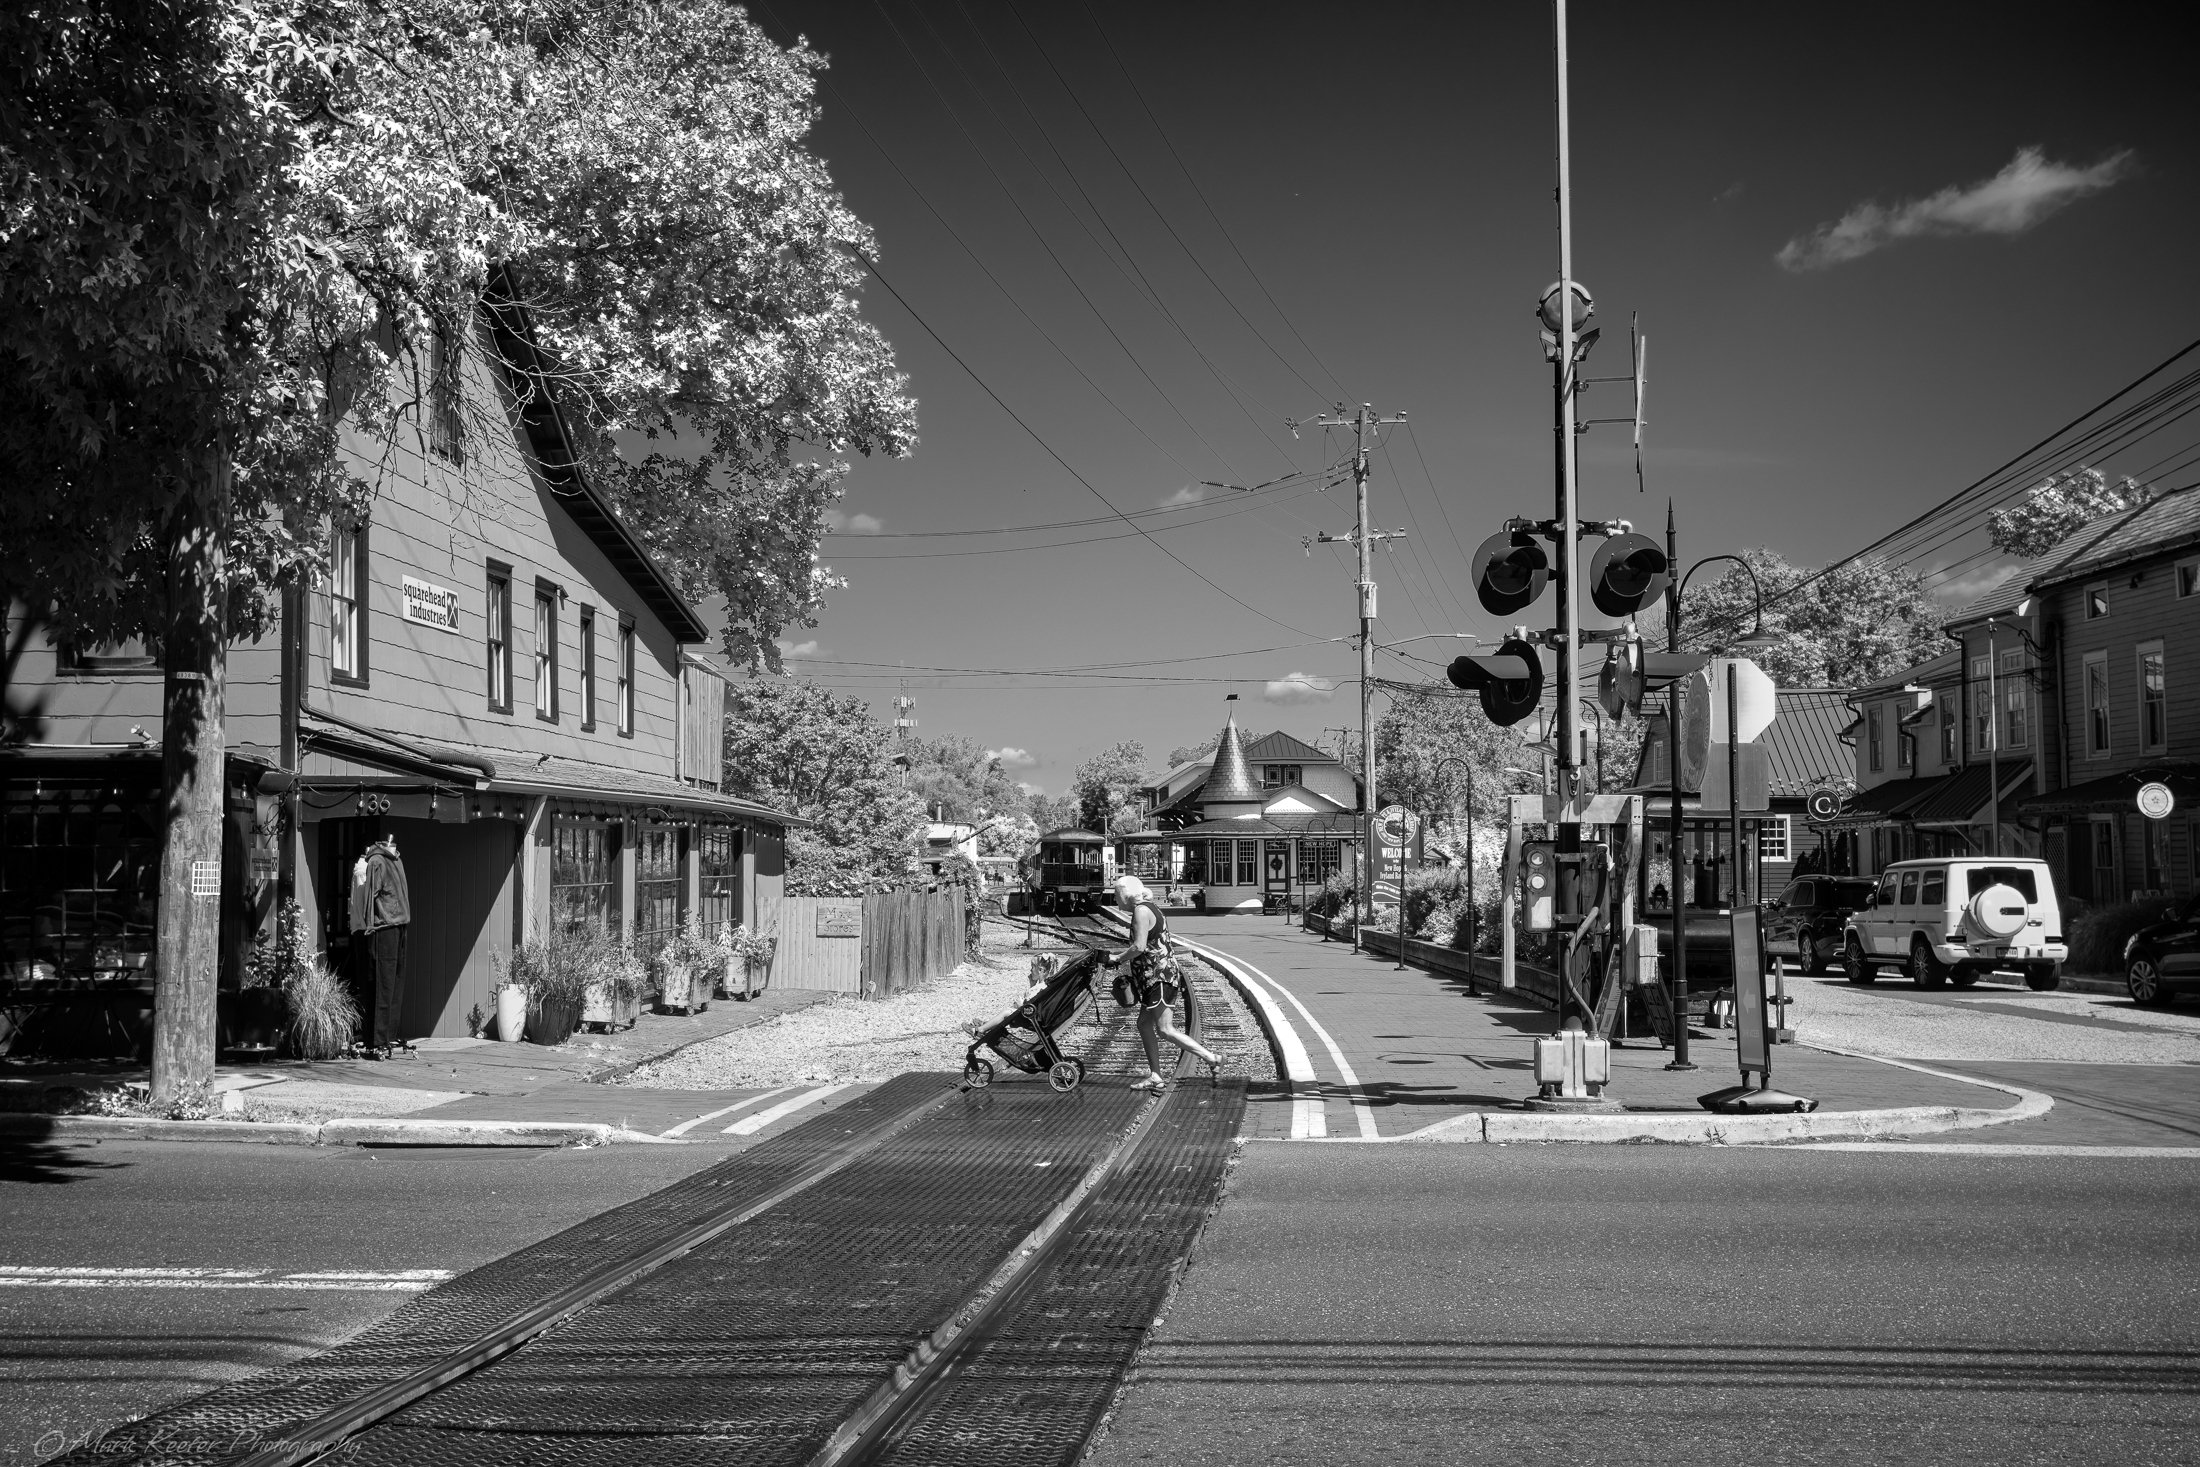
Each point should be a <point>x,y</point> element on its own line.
<point>753,952</point>
<point>613,998</point>
<point>252,1019</point>
<point>324,1020</point>
<point>684,968</point>
<point>555,975</point>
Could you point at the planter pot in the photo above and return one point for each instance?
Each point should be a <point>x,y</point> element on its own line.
<point>604,1009</point>
<point>553,1020</point>
<point>683,989</point>
<point>511,1013</point>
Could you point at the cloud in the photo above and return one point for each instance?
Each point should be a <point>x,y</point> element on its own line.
<point>1298,687</point>
<point>797,650</point>
<point>2011,202</point>
<point>1033,790</point>
<point>1730,193</point>
<point>861,524</point>
<point>1184,498</point>
<point>1010,757</point>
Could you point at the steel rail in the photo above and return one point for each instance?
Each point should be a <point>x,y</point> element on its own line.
<point>327,1433</point>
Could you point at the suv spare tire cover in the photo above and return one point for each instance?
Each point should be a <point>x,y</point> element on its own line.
<point>2000,911</point>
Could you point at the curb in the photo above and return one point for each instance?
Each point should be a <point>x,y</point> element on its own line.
<point>366,1132</point>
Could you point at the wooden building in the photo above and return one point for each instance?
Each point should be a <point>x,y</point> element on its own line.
<point>495,673</point>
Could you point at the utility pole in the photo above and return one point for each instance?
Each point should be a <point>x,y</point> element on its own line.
<point>1673,702</point>
<point>1568,507</point>
<point>1364,538</point>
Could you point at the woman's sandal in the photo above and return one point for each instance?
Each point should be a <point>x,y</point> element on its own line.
<point>1151,1082</point>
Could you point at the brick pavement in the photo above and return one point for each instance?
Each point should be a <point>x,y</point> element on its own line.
<point>1423,1049</point>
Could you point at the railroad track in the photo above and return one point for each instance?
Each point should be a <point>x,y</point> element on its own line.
<point>922,1275</point>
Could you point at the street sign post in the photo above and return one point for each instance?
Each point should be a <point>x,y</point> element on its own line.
<point>1752,1029</point>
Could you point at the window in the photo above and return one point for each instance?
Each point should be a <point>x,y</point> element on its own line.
<point>2153,699</point>
<point>1948,731</point>
<point>660,887</point>
<point>1278,776</point>
<point>2096,602</point>
<point>584,875</point>
<point>1772,838</point>
<point>498,624</point>
<point>2096,704</point>
<point>718,863</point>
<point>2016,701</point>
<point>1195,862</point>
<point>1905,745</point>
<point>2104,859</point>
<point>546,652</point>
<point>347,604</point>
<point>1909,889</point>
<point>2156,842</point>
<point>1934,893</point>
<point>1248,863</point>
<point>1886,889</point>
<point>1982,707</point>
<point>588,668</point>
<point>2018,878</point>
<point>108,658</point>
<point>2187,579</point>
<point>446,433</point>
<point>626,680</point>
<point>1875,723</point>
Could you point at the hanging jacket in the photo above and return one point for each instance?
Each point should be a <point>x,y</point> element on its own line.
<point>378,894</point>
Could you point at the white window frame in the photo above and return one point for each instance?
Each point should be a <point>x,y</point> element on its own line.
<point>1948,750</point>
<point>346,624</point>
<point>2141,653</point>
<point>1875,737</point>
<point>2099,725</point>
<point>2016,700</point>
<point>1774,838</point>
<point>2184,579</point>
<point>627,658</point>
<point>546,654</point>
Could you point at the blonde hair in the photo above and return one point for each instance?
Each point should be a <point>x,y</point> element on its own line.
<point>1130,886</point>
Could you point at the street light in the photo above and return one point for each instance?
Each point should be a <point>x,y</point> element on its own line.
<point>1757,638</point>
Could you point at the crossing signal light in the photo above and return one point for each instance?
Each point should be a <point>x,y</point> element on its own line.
<point>1629,571</point>
<point>1510,680</point>
<point>1510,570</point>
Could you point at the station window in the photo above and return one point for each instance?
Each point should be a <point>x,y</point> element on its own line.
<point>1248,863</point>
<point>1195,862</point>
<point>1773,838</point>
<point>584,874</point>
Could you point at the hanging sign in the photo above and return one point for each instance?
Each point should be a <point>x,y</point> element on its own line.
<point>430,605</point>
<point>2156,800</point>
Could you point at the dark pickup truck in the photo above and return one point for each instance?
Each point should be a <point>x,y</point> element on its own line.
<point>1803,922</point>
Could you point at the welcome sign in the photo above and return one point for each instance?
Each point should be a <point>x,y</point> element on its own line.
<point>430,605</point>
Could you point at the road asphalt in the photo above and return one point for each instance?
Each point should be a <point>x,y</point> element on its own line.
<point>1570,1304</point>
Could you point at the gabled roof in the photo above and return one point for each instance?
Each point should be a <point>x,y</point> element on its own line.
<point>552,447</point>
<point>1281,748</point>
<point>1948,665</point>
<point>2158,527</point>
<point>1805,740</point>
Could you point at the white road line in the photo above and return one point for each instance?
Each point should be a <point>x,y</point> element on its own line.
<point>406,1280</point>
<point>1309,1113</point>
<point>1360,1109</point>
<point>1987,1148</point>
<point>686,1126</point>
<point>750,1125</point>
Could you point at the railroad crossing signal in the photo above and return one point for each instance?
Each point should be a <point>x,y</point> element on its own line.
<point>1510,681</point>
<point>1510,571</point>
<point>1629,571</point>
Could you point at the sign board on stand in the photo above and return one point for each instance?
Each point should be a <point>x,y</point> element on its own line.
<point>1398,839</point>
<point>1756,698</point>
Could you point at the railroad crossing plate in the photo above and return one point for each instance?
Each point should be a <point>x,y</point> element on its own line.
<point>2156,800</point>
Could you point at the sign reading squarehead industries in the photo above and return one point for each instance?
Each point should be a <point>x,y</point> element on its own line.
<point>431,605</point>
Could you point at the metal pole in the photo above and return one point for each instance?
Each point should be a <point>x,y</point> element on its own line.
<point>1993,736</point>
<point>1367,681</point>
<point>1673,702</point>
<point>1733,780</point>
<point>1568,512</point>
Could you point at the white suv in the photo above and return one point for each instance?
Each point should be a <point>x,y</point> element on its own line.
<point>1951,919</point>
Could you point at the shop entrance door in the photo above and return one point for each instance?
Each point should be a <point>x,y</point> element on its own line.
<point>1275,872</point>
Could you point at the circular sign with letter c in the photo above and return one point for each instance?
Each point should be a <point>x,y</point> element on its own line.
<point>1823,805</point>
<point>2156,800</point>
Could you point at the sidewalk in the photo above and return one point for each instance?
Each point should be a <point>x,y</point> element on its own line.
<point>1396,1051</point>
<point>467,1080</point>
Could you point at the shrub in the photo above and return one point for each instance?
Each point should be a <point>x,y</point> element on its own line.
<point>324,1019</point>
<point>560,969</point>
<point>1426,892</point>
<point>284,955</point>
<point>2098,934</point>
<point>1335,896</point>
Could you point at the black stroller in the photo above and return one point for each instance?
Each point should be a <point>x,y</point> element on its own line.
<point>1030,1039</point>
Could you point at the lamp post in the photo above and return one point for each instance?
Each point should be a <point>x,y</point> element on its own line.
<point>1757,638</point>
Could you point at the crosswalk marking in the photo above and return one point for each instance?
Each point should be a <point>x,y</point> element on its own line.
<point>750,1125</point>
<point>61,1276</point>
<point>688,1125</point>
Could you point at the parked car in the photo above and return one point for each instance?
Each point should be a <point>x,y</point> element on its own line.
<point>1806,919</point>
<point>1954,919</point>
<point>2163,960</point>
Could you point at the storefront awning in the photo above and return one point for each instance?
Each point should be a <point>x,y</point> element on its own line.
<point>2119,791</point>
<point>1961,798</point>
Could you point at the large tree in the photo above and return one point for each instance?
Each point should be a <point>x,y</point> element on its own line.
<point>956,777</point>
<point>795,746</point>
<point>1437,753</point>
<point>1863,621</point>
<point>2047,514</point>
<point>1106,788</point>
<point>235,232</point>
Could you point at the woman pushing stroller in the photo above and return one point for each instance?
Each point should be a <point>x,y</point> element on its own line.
<point>1156,992</point>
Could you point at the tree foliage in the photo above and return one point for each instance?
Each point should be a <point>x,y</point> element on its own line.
<point>1439,755</point>
<point>1186,753</point>
<point>795,746</point>
<point>1864,621</point>
<point>957,778</point>
<point>1106,788</point>
<point>2047,515</point>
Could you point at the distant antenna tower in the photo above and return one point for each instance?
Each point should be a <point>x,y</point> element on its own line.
<point>904,707</point>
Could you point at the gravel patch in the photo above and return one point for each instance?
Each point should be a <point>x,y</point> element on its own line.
<point>1978,1025</point>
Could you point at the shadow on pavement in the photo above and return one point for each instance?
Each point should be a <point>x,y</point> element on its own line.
<point>24,1159</point>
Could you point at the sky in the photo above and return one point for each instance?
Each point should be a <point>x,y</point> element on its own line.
<point>1875,252</point>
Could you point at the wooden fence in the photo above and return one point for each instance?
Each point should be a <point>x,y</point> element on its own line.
<point>873,945</point>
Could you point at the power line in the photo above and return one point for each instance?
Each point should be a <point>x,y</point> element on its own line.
<point>1054,544</point>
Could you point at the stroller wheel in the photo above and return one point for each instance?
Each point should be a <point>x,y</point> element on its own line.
<point>977,1074</point>
<point>1066,1074</point>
